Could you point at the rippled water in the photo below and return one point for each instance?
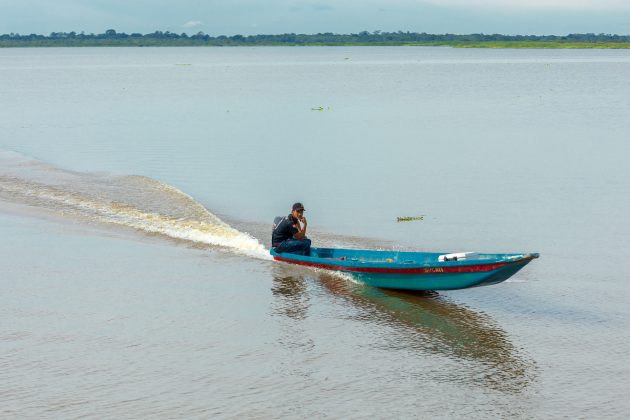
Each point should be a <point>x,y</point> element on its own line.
<point>137,188</point>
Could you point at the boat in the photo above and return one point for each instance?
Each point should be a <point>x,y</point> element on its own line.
<point>413,270</point>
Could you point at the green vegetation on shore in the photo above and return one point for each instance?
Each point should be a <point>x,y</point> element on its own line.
<point>111,38</point>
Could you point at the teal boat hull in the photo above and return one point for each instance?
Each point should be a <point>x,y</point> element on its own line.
<point>412,270</point>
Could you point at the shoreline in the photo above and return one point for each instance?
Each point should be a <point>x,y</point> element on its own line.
<point>477,45</point>
<point>112,38</point>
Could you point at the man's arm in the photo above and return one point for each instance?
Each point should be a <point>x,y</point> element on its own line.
<point>301,233</point>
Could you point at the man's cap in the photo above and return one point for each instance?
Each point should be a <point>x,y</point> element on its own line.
<point>298,206</point>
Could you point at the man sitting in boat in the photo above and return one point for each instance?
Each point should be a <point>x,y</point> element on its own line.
<point>289,233</point>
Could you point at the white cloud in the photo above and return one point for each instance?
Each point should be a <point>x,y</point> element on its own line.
<point>534,4</point>
<point>192,24</point>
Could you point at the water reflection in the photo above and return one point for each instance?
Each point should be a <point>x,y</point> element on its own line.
<point>293,300</point>
<point>420,323</point>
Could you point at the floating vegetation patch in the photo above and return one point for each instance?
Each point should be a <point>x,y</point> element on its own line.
<point>409,218</point>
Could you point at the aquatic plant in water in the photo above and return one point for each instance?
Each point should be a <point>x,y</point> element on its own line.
<point>409,218</point>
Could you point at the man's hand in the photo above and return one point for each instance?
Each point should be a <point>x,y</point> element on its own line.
<point>301,228</point>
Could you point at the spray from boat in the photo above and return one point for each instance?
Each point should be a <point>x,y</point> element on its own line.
<point>134,202</point>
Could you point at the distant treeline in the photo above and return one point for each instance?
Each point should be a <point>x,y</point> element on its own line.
<point>159,38</point>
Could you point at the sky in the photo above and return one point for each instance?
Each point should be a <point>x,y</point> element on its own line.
<point>250,17</point>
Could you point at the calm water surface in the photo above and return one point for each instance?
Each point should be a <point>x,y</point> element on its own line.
<point>137,187</point>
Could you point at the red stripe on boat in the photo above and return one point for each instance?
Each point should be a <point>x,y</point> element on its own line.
<point>415,270</point>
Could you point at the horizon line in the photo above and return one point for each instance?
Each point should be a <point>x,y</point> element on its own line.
<point>372,33</point>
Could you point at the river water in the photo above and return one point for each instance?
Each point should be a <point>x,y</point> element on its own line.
<point>137,189</point>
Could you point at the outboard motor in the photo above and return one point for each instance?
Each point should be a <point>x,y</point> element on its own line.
<point>276,222</point>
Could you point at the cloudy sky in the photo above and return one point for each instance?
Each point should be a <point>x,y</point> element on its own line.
<point>230,17</point>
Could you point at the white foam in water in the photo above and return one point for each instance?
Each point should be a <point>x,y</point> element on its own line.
<point>136,202</point>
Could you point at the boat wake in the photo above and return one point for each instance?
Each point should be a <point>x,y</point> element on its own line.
<point>134,202</point>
